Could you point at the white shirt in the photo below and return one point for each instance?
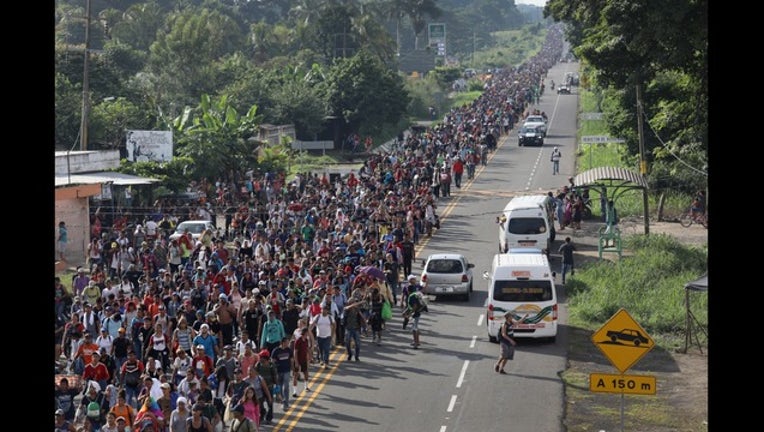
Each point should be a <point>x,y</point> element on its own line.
<point>323,325</point>
<point>105,342</point>
<point>151,228</point>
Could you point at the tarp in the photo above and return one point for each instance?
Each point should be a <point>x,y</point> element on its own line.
<point>700,284</point>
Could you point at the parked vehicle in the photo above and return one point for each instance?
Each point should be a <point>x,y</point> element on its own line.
<point>195,227</point>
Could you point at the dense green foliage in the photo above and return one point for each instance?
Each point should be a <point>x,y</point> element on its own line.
<point>662,48</point>
<point>299,61</point>
<point>650,283</point>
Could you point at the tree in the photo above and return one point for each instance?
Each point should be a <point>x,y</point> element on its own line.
<point>216,137</point>
<point>297,100</point>
<point>661,47</point>
<point>68,112</point>
<point>139,25</point>
<point>188,47</point>
<point>365,93</point>
<point>417,12</point>
<point>110,119</point>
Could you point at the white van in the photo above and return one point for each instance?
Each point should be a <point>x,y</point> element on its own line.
<point>524,285</point>
<point>527,221</point>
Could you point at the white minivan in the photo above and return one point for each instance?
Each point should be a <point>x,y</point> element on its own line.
<point>522,284</point>
<point>527,221</point>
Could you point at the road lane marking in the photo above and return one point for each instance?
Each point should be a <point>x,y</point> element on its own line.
<point>480,320</point>
<point>472,343</point>
<point>337,359</point>
<point>465,186</point>
<point>451,404</point>
<point>461,375</point>
<point>322,375</point>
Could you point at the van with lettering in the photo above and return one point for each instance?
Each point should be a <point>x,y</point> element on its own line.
<point>527,221</point>
<point>523,284</point>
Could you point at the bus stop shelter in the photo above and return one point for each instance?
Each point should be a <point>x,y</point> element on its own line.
<point>613,182</point>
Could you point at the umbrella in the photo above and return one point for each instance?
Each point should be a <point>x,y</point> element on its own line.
<point>372,271</point>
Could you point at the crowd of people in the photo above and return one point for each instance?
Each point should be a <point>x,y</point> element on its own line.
<point>208,332</point>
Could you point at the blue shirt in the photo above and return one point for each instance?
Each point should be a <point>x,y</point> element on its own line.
<point>208,342</point>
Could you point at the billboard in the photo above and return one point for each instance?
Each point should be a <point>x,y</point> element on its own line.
<point>143,146</point>
<point>436,34</point>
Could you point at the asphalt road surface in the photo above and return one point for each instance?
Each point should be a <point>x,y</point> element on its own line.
<point>449,383</point>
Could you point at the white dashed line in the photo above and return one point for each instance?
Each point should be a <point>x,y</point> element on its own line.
<point>451,404</point>
<point>472,343</point>
<point>461,375</point>
<point>480,320</point>
<point>442,429</point>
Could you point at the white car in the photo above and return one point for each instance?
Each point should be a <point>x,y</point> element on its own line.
<point>195,227</point>
<point>536,121</point>
<point>447,274</point>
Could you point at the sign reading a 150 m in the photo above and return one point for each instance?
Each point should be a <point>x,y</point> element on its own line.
<point>628,384</point>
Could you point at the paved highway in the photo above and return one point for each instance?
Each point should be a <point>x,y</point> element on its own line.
<point>449,383</point>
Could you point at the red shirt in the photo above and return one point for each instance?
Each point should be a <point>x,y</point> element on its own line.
<point>86,351</point>
<point>301,349</point>
<point>315,309</point>
<point>205,362</point>
<point>458,166</point>
<point>97,372</point>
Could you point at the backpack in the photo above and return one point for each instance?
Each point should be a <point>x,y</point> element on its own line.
<point>93,410</point>
<point>132,377</point>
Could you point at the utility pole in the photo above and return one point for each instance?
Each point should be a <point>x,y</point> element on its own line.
<point>642,159</point>
<point>85,84</point>
<point>472,57</point>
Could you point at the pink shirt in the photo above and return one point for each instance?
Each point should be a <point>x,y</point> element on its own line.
<point>252,411</point>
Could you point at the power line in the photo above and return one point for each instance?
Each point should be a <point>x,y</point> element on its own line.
<point>699,171</point>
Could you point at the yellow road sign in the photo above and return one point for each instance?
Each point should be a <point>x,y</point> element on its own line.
<point>622,340</point>
<point>628,384</point>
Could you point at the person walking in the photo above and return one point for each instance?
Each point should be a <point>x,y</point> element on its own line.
<point>415,307</point>
<point>63,239</point>
<point>507,342</point>
<point>458,170</point>
<point>354,321</point>
<point>556,155</point>
<point>284,359</point>
<point>301,359</point>
<point>323,325</point>
<point>566,249</point>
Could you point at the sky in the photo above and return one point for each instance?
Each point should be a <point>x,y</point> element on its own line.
<point>532,2</point>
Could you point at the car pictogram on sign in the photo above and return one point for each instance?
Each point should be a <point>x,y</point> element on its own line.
<point>627,335</point>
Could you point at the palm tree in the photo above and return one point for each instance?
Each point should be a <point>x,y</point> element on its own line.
<point>417,12</point>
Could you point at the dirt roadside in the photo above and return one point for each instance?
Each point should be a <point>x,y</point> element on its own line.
<point>681,400</point>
